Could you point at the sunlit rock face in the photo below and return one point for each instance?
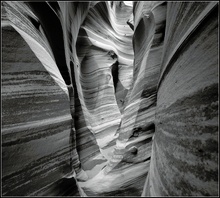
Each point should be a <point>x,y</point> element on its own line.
<point>110,98</point>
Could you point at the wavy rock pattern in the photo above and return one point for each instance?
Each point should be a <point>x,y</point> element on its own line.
<point>110,47</point>
<point>35,124</point>
<point>186,115</point>
<point>133,146</point>
<point>114,100</point>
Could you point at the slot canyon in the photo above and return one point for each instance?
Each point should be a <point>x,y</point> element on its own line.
<point>110,98</point>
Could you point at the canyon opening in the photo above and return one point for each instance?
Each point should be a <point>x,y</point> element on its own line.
<point>110,98</point>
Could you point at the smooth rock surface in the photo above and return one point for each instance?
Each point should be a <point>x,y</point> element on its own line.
<point>110,98</point>
<point>36,124</point>
<point>184,155</point>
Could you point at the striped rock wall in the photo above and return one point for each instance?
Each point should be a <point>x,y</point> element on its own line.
<point>131,155</point>
<point>36,125</point>
<point>139,86</point>
<point>184,159</point>
<point>40,121</point>
<point>102,49</point>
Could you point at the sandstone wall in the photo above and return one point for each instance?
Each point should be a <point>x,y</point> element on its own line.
<point>36,124</point>
<point>105,99</point>
<point>184,159</point>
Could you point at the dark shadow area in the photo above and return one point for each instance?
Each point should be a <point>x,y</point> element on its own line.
<point>54,33</point>
<point>34,22</point>
<point>161,26</point>
<point>115,74</point>
<point>63,187</point>
<point>54,5</point>
<point>130,24</point>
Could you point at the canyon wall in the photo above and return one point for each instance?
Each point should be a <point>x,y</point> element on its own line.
<point>184,159</point>
<point>36,124</point>
<point>106,99</point>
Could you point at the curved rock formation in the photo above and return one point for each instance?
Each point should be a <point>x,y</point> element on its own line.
<point>35,124</point>
<point>184,156</point>
<point>110,98</point>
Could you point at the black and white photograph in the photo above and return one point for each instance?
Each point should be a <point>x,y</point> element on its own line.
<point>109,98</point>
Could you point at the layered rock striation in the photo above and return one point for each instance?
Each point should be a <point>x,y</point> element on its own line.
<point>110,99</point>
<point>184,156</point>
<point>36,124</point>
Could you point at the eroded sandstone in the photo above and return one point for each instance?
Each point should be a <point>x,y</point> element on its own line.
<point>110,99</point>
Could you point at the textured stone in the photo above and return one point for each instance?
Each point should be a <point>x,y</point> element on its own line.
<point>35,124</point>
<point>184,156</point>
<point>110,98</point>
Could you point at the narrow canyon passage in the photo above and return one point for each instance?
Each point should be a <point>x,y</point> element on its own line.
<point>110,98</point>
